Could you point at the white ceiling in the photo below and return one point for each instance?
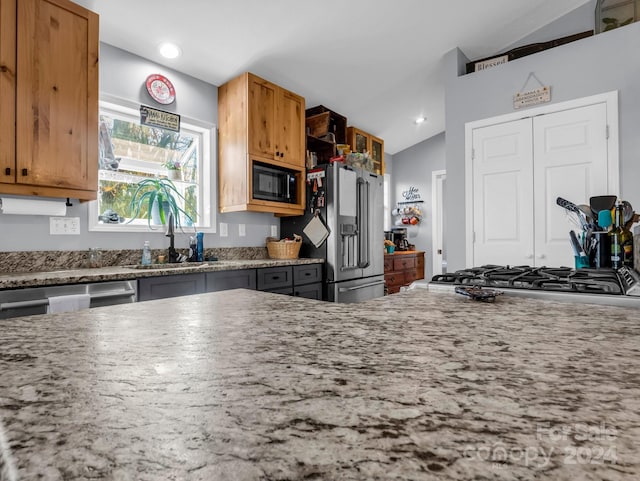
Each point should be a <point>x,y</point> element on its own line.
<point>376,62</point>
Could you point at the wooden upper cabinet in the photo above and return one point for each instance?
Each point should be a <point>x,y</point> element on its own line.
<point>276,122</point>
<point>262,117</point>
<point>361,141</point>
<point>258,122</point>
<point>290,132</point>
<point>7,90</point>
<point>56,110</point>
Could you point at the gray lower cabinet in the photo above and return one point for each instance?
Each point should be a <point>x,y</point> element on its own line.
<point>150,288</point>
<point>223,280</point>
<point>302,281</point>
<point>272,278</point>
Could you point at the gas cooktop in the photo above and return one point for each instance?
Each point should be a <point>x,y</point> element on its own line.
<point>559,279</point>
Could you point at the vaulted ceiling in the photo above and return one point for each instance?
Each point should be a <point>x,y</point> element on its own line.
<point>376,62</point>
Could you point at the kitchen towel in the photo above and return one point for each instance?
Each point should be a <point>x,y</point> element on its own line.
<point>73,302</point>
<point>33,206</point>
<point>316,231</point>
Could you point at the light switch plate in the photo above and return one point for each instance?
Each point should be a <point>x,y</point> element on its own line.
<point>274,231</point>
<point>242,230</point>
<point>64,225</point>
<point>224,229</point>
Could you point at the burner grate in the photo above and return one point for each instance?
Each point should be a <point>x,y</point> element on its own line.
<point>565,279</point>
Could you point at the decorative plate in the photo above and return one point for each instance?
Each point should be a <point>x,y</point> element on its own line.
<point>160,89</point>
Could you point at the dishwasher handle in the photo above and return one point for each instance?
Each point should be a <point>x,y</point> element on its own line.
<point>45,301</point>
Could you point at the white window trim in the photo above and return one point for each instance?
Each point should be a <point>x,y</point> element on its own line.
<point>209,170</point>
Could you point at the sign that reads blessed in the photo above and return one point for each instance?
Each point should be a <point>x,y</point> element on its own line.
<point>158,118</point>
<point>532,97</point>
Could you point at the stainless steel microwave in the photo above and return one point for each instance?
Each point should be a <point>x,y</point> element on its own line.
<point>274,183</point>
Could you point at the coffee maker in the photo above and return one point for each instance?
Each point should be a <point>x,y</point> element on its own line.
<point>399,237</point>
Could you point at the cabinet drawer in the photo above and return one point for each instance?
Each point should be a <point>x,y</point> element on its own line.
<point>410,276</point>
<point>170,286</point>
<point>223,280</point>
<point>309,291</point>
<point>275,277</point>
<point>394,279</point>
<point>404,262</point>
<point>388,263</point>
<point>307,274</point>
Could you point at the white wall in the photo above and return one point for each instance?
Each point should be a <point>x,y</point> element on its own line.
<point>605,62</point>
<point>122,75</point>
<point>412,168</point>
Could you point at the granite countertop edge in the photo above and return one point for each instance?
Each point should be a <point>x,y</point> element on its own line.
<point>127,272</point>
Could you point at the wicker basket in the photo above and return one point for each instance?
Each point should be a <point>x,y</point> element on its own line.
<point>282,249</point>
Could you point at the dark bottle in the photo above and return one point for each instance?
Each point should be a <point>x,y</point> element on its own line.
<point>615,240</point>
<point>621,241</point>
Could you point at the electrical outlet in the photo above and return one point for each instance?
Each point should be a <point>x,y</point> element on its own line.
<point>274,231</point>
<point>242,230</point>
<point>224,229</point>
<point>64,225</point>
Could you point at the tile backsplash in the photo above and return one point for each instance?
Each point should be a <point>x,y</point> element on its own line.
<point>40,261</point>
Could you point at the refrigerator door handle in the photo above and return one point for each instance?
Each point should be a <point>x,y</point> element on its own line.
<point>363,223</point>
<point>361,286</point>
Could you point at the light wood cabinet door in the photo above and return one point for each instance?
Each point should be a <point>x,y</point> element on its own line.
<point>290,139</point>
<point>7,90</point>
<point>262,117</point>
<point>57,96</point>
<point>276,122</point>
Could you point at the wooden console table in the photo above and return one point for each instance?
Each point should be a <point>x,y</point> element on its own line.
<point>402,268</point>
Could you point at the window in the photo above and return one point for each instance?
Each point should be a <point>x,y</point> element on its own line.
<point>131,153</point>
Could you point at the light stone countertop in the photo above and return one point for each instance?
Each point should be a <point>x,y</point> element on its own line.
<point>247,385</point>
<point>114,273</point>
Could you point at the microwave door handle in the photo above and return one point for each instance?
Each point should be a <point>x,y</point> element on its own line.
<point>288,186</point>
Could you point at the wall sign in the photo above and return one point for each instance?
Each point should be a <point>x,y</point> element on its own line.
<point>537,96</point>
<point>492,62</point>
<point>411,194</point>
<point>158,118</point>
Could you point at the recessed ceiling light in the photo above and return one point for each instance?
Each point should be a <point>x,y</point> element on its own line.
<point>169,50</point>
<point>419,120</point>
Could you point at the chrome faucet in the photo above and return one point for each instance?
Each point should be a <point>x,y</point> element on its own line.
<point>173,256</point>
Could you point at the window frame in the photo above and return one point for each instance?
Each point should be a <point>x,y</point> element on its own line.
<point>207,166</point>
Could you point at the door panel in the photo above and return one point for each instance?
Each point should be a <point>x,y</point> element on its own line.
<point>570,157</point>
<point>503,194</point>
<point>262,117</point>
<point>520,168</point>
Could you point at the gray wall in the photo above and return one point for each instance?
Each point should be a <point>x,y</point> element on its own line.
<point>412,168</point>
<point>122,75</point>
<point>602,63</point>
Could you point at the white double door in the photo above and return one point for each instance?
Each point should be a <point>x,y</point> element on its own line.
<point>519,170</point>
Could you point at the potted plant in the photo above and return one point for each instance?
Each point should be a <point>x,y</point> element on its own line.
<point>174,169</point>
<point>160,194</point>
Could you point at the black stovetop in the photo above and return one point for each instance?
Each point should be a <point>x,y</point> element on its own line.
<point>564,279</point>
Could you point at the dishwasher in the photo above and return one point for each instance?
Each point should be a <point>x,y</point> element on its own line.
<point>35,300</point>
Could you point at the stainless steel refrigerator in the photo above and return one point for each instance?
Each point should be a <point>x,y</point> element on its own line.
<point>349,201</point>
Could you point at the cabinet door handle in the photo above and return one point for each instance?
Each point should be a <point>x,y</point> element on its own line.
<point>277,154</point>
<point>7,171</point>
<point>24,172</point>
